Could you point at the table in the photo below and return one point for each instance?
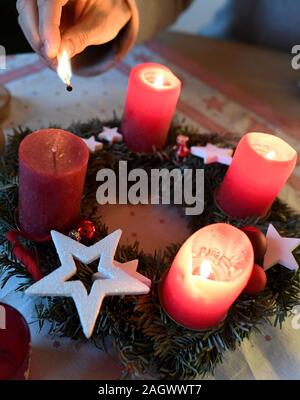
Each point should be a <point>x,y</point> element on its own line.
<point>262,73</point>
<point>226,87</point>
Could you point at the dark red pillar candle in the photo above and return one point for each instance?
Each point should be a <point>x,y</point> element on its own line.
<point>152,95</point>
<point>52,169</point>
<point>14,344</point>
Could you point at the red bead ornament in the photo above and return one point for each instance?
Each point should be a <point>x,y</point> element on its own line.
<point>182,149</point>
<point>257,281</point>
<point>86,230</point>
<point>258,241</point>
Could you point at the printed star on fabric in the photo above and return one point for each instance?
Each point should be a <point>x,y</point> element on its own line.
<point>213,103</point>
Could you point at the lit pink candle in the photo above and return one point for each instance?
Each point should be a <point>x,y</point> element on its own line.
<point>208,274</point>
<point>261,166</point>
<point>152,95</point>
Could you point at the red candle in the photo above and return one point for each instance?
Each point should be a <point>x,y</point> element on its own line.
<point>208,274</point>
<point>14,344</point>
<point>52,169</point>
<point>152,95</point>
<point>261,166</point>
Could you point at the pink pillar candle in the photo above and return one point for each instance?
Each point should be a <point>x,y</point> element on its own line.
<point>52,169</point>
<point>152,95</point>
<point>210,271</point>
<point>14,344</point>
<point>261,166</point>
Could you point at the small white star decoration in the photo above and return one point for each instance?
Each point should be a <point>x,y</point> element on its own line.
<point>213,154</point>
<point>110,135</point>
<point>93,145</point>
<point>279,250</point>
<point>112,278</point>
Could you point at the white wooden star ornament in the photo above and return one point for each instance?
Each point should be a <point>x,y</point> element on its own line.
<point>112,278</point>
<point>110,135</point>
<point>213,154</point>
<point>93,145</point>
<point>280,250</point>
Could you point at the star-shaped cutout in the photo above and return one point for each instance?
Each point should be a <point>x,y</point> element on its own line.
<point>112,278</point>
<point>280,250</point>
<point>213,154</point>
<point>93,145</point>
<point>110,135</point>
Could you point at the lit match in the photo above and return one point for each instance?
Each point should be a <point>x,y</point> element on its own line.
<point>64,70</point>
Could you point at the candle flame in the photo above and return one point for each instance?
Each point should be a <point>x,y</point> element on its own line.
<point>159,81</point>
<point>64,69</point>
<point>205,269</point>
<point>271,155</point>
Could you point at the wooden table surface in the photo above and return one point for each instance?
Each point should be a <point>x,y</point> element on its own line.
<point>260,72</point>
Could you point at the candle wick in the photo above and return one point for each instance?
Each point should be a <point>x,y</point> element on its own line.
<point>54,150</point>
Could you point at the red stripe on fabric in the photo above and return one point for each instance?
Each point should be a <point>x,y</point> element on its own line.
<point>230,90</point>
<point>200,118</point>
<point>21,72</point>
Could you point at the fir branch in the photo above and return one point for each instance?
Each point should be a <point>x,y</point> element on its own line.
<point>145,339</point>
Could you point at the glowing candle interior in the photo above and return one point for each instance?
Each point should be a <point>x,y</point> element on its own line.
<point>159,81</point>
<point>261,166</point>
<point>205,269</point>
<point>209,272</point>
<point>152,95</point>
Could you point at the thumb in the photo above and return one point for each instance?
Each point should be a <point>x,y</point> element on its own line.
<point>74,41</point>
<point>49,25</point>
<point>86,33</point>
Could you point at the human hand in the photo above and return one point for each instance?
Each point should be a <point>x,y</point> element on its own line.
<point>52,26</point>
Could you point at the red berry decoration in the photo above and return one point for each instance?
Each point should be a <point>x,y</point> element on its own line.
<point>258,241</point>
<point>86,230</point>
<point>257,281</point>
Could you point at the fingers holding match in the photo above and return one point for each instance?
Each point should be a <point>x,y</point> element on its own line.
<point>50,13</point>
<point>29,22</point>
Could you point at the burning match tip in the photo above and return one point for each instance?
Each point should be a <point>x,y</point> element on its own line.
<point>69,88</point>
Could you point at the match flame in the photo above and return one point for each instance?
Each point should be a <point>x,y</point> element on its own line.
<point>205,269</point>
<point>271,155</point>
<point>159,81</point>
<point>64,70</point>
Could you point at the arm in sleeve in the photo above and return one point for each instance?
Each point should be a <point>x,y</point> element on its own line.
<point>148,18</point>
